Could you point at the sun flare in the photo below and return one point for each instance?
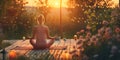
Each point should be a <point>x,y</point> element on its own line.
<point>115,2</point>
<point>56,3</point>
<point>50,3</point>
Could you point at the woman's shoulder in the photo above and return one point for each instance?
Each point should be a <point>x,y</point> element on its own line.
<point>44,26</point>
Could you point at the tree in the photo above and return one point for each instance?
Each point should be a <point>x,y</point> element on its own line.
<point>92,12</point>
<point>10,10</point>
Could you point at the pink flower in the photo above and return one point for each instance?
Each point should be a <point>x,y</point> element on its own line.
<point>99,31</point>
<point>108,33</point>
<point>108,30</point>
<point>105,23</point>
<point>77,33</point>
<point>88,35</point>
<point>88,27</point>
<point>81,37</point>
<point>82,31</point>
<point>89,43</point>
<point>94,40</point>
<point>117,30</point>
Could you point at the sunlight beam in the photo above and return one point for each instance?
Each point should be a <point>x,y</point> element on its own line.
<point>56,3</point>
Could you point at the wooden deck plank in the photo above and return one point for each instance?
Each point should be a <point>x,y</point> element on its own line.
<point>46,54</point>
<point>13,45</point>
<point>23,44</point>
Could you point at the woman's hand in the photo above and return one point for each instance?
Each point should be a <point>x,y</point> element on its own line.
<point>53,38</point>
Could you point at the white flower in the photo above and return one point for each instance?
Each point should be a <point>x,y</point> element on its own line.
<point>114,49</point>
<point>111,55</point>
<point>95,56</point>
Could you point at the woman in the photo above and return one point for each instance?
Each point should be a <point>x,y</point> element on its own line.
<point>40,34</point>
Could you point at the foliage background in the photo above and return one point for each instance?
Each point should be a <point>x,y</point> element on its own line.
<point>18,22</point>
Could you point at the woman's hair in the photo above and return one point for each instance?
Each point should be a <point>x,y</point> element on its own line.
<point>41,19</point>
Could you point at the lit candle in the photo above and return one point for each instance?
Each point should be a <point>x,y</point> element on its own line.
<point>12,55</point>
<point>75,37</point>
<point>23,37</point>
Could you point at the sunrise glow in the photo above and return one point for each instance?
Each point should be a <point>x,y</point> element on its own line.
<point>51,3</point>
<point>115,2</point>
<point>56,3</point>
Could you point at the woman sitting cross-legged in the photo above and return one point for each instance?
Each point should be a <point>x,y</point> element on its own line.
<point>40,35</point>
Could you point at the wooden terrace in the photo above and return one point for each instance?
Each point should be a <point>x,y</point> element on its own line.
<point>60,50</point>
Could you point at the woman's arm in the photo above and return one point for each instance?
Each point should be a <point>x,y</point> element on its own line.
<point>48,34</point>
<point>34,33</point>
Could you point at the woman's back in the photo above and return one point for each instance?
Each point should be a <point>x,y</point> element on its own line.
<point>40,33</point>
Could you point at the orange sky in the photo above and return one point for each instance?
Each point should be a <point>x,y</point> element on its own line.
<point>51,3</point>
<point>116,1</point>
<point>55,3</point>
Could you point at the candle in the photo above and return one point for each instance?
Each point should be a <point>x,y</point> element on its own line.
<point>12,55</point>
<point>23,37</point>
<point>75,37</point>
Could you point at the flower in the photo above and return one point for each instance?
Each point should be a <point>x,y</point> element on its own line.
<point>114,49</point>
<point>108,29</point>
<point>81,38</point>
<point>82,31</point>
<point>77,33</point>
<point>79,42</point>
<point>99,31</point>
<point>108,33</point>
<point>117,30</point>
<point>95,56</point>
<point>88,34</point>
<point>88,27</point>
<point>94,39</point>
<point>102,30</point>
<point>105,23</point>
